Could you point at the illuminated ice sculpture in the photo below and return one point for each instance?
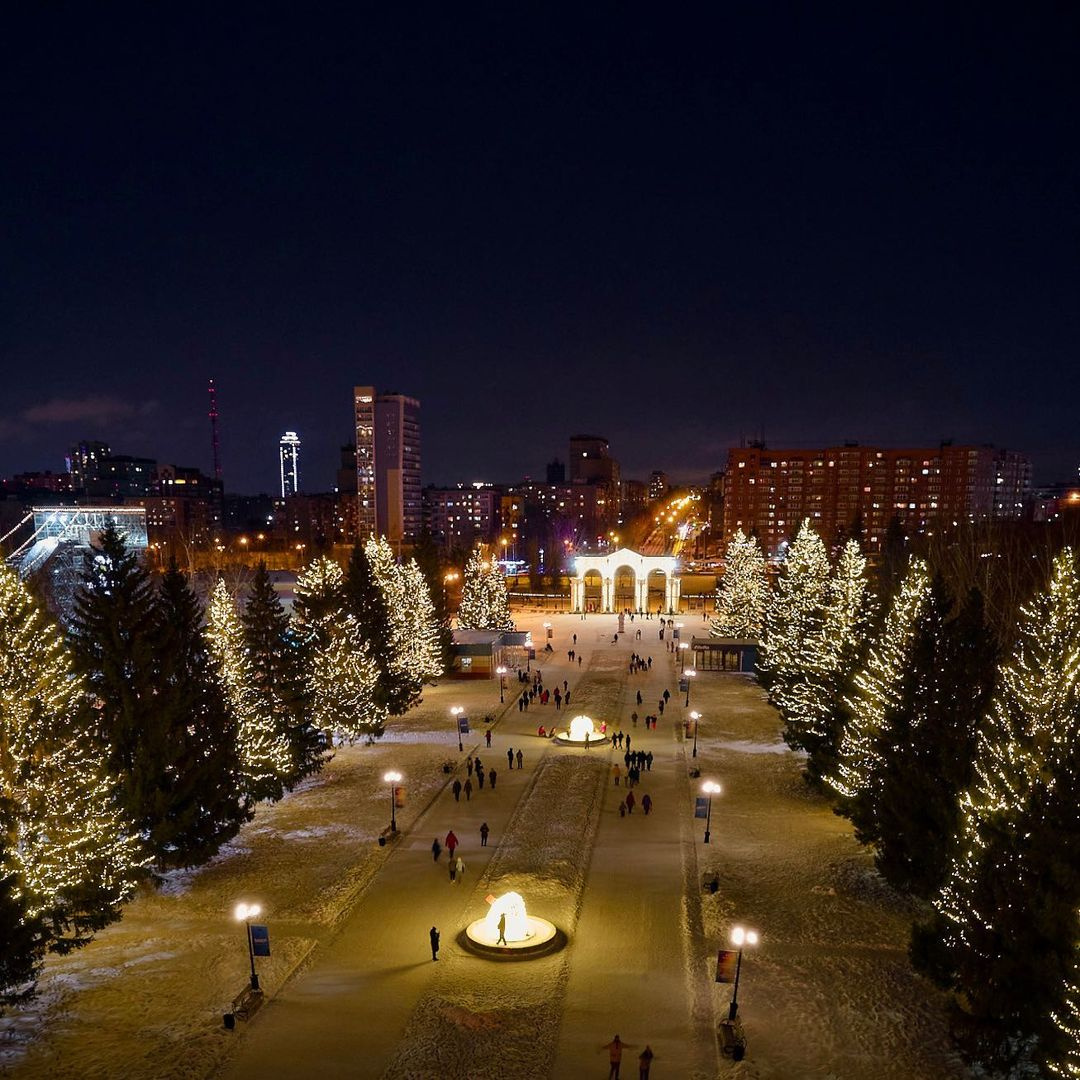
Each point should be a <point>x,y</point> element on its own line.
<point>582,732</point>
<point>525,935</point>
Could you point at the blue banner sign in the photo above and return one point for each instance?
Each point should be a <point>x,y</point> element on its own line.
<point>701,806</point>
<point>260,940</point>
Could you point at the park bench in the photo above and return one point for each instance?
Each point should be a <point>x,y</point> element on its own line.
<point>247,1003</point>
<point>732,1039</point>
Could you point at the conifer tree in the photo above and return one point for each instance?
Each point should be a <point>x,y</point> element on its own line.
<point>344,679</point>
<point>193,772</point>
<point>21,939</point>
<point>484,601</point>
<point>795,613</point>
<point>72,859</point>
<point>813,706</point>
<point>743,594</point>
<point>1063,1059</point>
<point>927,746</point>
<point>266,761</point>
<point>875,697</point>
<point>277,656</point>
<point>407,663</point>
<point>425,646</point>
<point>1007,926</point>
<point>427,559</point>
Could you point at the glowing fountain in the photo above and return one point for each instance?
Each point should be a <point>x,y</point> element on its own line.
<point>526,935</point>
<point>582,733</point>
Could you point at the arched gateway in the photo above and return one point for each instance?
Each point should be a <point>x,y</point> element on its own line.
<point>631,571</point>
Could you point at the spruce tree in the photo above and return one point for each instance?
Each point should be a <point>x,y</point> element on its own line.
<point>407,664</point>
<point>276,653</point>
<point>1007,926</point>
<point>426,554</point>
<point>194,778</point>
<point>795,614</point>
<point>425,646</point>
<point>22,938</point>
<point>743,594</point>
<point>813,707</point>
<point>873,703</point>
<point>266,761</point>
<point>72,856</point>
<point>927,746</point>
<point>484,601</point>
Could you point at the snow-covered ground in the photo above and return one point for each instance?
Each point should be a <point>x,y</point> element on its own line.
<point>828,993</point>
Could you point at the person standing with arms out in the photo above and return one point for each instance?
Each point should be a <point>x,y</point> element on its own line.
<point>510,757</point>
<point>434,935</point>
<point>614,1049</point>
<point>484,834</point>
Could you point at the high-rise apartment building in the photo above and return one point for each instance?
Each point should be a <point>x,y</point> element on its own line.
<point>462,515</point>
<point>772,491</point>
<point>289,453</point>
<point>387,465</point>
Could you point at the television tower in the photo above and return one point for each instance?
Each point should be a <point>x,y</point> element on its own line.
<point>214,431</point>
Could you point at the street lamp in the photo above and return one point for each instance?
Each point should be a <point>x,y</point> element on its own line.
<point>245,913</point>
<point>501,672</point>
<point>393,779</point>
<point>455,712</point>
<point>695,716</point>
<point>683,646</point>
<point>711,788</point>
<point>739,938</point>
<point>688,675</point>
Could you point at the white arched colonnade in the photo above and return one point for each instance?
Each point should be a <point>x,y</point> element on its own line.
<point>641,566</point>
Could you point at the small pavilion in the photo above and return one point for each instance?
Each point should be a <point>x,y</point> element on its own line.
<point>624,581</point>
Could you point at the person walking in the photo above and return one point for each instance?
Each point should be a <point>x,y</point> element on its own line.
<point>614,1049</point>
<point>459,866</point>
<point>520,757</point>
<point>579,665</point>
<point>468,790</point>
<point>644,1062</point>
<point>567,698</point>
<point>667,695</point>
<point>628,742</point>
<point>436,849</point>
<point>491,778</point>
<point>618,772</point>
<point>434,936</point>
<point>468,764</point>
<point>639,697</point>
<point>487,736</point>
<point>622,808</point>
<point>453,871</point>
<point>646,804</point>
<point>451,843</point>
<point>457,790</point>
<point>484,830</point>
<point>502,929</point>
<point>630,800</point>
<point>480,777</point>
<point>510,757</point>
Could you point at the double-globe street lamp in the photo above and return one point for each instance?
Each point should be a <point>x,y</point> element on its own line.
<point>501,672</point>
<point>688,675</point>
<point>456,712</point>
<point>393,779</point>
<point>711,788</point>
<point>739,938</point>
<point>245,913</point>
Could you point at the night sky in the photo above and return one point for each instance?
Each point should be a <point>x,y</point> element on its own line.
<point>672,229</point>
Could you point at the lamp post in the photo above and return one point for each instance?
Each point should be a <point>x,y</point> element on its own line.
<point>245,913</point>
<point>393,779</point>
<point>501,672</point>
<point>688,675</point>
<point>711,788</point>
<point>695,716</point>
<point>683,646</point>
<point>455,712</point>
<point>739,938</point>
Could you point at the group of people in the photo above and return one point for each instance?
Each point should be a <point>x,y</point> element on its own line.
<point>639,663</point>
<point>538,692</point>
<point>474,766</point>
<point>615,1050</point>
<point>457,866</point>
<point>629,802</point>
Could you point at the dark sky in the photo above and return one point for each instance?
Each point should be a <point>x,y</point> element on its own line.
<point>673,229</point>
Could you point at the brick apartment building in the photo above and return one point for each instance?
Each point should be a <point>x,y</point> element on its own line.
<point>773,490</point>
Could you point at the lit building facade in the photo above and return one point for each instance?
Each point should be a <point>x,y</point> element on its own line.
<point>289,454</point>
<point>387,465</point>
<point>772,491</point>
<point>463,515</point>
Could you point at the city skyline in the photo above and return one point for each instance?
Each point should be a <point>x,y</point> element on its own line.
<point>832,229</point>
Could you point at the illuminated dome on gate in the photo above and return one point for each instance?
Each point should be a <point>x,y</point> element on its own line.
<point>582,733</point>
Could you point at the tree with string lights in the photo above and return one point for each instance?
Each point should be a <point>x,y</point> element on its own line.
<point>1006,927</point>
<point>266,760</point>
<point>743,594</point>
<point>484,601</point>
<point>68,859</point>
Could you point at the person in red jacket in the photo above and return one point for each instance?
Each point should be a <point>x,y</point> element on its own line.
<point>451,842</point>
